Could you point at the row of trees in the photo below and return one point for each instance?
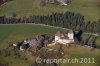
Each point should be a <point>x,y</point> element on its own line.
<point>68,20</point>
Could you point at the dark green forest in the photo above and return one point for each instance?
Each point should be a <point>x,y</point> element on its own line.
<point>67,20</point>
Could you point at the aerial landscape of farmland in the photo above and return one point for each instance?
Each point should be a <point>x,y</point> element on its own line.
<point>49,33</point>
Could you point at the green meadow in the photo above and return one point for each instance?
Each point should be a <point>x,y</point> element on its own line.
<point>89,8</point>
<point>14,33</point>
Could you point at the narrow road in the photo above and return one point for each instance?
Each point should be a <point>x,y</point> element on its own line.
<point>47,26</point>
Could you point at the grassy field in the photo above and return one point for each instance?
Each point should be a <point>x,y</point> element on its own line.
<point>13,33</point>
<point>89,8</point>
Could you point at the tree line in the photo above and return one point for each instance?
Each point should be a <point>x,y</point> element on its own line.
<point>68,20</point>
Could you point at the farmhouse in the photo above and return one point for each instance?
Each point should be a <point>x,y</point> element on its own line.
<point>61,2</point>
<point>44,40</point>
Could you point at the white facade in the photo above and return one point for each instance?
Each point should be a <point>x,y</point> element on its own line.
<point>70,35</point>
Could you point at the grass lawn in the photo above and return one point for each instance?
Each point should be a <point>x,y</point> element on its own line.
<point>14,33</point>
<point>89,8</point>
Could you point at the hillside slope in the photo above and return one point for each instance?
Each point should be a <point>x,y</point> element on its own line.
<point>89,8</point>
